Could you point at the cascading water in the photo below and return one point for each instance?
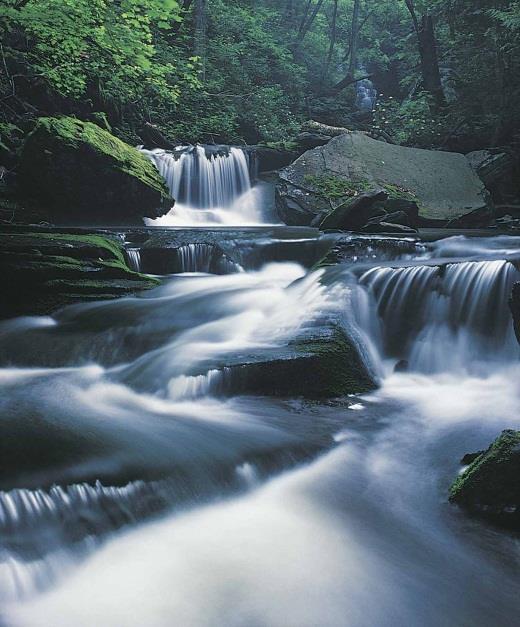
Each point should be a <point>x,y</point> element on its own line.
<point>439,318</point>
<point>212,188</point>
<point>366,94</point>
<point>120,411</point>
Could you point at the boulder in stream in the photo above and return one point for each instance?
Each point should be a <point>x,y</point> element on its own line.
<point>322,362</point>
<point>490,486</point>
<point>440,187</point>
<point>43,271</point>
<point>81,174</point>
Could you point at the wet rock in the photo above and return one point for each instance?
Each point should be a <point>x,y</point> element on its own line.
<point>490,486</point>
<point>82,174</point>
<point>496,169</point>
<point>401,366</point>
<point>356,212</point>
<point>469,458</point>
<point>440,187</point>
<point>514,304</point>
<point>321,363</point>
<point>40,272</point>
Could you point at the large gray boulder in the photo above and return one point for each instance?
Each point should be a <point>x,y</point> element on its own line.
<point>443,184</point>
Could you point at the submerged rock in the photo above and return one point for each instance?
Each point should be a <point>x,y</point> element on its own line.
<point>321,363</point>
<point>41,272</point>
<point>490,486</point>
<point>439,187</point>
<point>82,174</point>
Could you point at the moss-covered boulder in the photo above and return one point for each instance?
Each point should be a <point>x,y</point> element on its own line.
<point>322,362</point>
<point>40,272</point>
<point>490,486</point>
<point>82,174</point>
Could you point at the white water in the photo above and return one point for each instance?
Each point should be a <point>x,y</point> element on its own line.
<point>360,535</point>
<point>208,190</point>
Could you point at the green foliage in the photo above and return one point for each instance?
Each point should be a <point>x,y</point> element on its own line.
<point>411,122</point>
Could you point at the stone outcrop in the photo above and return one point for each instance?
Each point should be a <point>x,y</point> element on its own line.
<point>81,174</point>
<point>43,271</point>
<point>490,486</point>
<point>321,362</point>
<point>442,185</point>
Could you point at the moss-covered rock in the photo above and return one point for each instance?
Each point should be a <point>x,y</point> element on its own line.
<point>490,486</point>
<point>321,363</point>
<point>82,174</point>
<point>40,272</point>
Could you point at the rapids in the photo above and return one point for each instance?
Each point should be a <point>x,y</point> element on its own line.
<point>138,489</point>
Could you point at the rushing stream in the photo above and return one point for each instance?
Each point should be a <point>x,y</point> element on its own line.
<point>137,492</point>
<point>140,488</point>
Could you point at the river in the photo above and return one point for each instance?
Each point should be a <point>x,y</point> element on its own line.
<point>139,490</point>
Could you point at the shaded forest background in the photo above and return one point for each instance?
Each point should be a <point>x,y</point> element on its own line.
<point>447,72</point>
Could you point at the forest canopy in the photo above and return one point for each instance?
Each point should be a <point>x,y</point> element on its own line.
<point>447,72</point>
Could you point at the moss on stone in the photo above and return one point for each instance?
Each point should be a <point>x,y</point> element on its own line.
<point>336,188</point>
<point>83,174</point>
<point>490,486</point>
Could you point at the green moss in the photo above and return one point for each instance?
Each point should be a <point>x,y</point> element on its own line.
<point>397,192</point>
<point>77,134</point>
<point>335,188</point>
<point>288,145</point>
<point>484,477</point>
<point>112,247</point>
<point>336,365</point>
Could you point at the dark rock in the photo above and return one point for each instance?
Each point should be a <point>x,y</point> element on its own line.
<point>401,366</point>
<point>356,212</point>
<point>490,486</point>
<point>321,363</point>
<point>491,166</point>
<point>153,137</point>
<point>307,140</point>
<point>41,272</point>
<point>514,304</point>
<point>469,458</point>
<point>269,158</point>
<point>435,188</point>
<point>84,175</point>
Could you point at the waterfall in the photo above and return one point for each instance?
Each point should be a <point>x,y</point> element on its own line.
<point>445,317</point>
<point>133,257</point>
<point>209,186</point>
<point>366,94</point>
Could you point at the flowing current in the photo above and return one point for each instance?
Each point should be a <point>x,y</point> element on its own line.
<point>210,189</point>
<point>140,488</point>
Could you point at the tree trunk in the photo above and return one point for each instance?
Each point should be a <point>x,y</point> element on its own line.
<point>333,36</point>
<point>430,62</point>
<point>354,38</point>
<point>431,76</point>
<point>199,47</point>
<point>307,22</point>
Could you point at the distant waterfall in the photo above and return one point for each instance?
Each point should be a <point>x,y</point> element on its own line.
<point>366,94</point>
<point>444,318</point>
<point>209,186</point>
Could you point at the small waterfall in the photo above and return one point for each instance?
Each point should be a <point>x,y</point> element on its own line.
<point>209,186</point>
<point>444,318</point>
<point>205,258</point>
<point>133,258</point>
<point>366,94</point>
